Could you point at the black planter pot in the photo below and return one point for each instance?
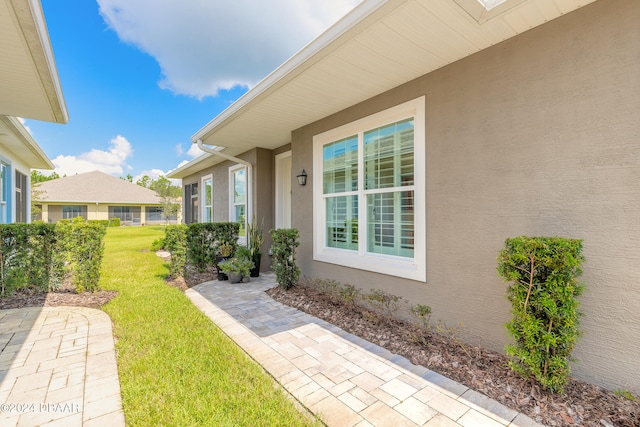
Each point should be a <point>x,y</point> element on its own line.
<point>255,271</point>
<point>221,275</point>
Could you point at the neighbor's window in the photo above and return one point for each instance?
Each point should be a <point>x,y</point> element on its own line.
<point>371,195</point>
<point>207,202</point>
<point>72,211</point>
<point>238,197</point>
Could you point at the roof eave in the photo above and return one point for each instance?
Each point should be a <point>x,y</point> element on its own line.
<point>296,63</point>
<point>39,158</point>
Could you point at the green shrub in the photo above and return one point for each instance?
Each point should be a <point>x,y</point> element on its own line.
<point>46,270</point>
<point>285,242</point>
<point>543,292</point>
<point>175,242</point>
<point>114,222</point>
<point>13,257</point>
<point>157,245</point>
<point>383,302</point>
<point>27,257</point>
<point>203,240</point>
<point>101,222</point>
<point>81,245</point>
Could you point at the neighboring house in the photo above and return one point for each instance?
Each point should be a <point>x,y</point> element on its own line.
<point>99,196</point>
<point>431,131</point>
<point>29,88</point>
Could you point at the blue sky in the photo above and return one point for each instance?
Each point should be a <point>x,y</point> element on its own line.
<point>140,77</point>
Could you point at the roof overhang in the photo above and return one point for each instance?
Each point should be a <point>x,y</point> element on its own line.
<point>15,138</point>
<point>29,84</point>
<point>378,46</point>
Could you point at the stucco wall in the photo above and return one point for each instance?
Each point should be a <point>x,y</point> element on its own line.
<point>262,197</point>
<point>538,135</point>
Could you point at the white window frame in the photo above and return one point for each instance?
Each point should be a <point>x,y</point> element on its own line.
<point>410,268</point>
<point>232,206</point>
<point>203,199</point>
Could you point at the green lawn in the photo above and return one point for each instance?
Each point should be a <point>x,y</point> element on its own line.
<point>176,367</point>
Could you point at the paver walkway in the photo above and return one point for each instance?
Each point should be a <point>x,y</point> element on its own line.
<point>344,379</point>
<point>58,368</point>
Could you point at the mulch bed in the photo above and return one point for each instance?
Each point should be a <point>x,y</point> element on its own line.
<point>480,369</point>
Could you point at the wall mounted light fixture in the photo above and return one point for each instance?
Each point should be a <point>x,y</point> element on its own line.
<point>302,177</point>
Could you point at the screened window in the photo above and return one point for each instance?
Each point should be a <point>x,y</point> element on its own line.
<point>72,211</point>
<point>371,195</point>
<point>128,214</point>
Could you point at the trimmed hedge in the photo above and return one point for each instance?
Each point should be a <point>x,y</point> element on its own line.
<point>82,245</point>
<point>197,244</point>
<point>543,294</point>
<point>40,255</point>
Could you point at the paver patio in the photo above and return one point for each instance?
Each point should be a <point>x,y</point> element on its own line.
<point>58,368</point>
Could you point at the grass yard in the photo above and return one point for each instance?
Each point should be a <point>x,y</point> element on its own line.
<point>176,367</point>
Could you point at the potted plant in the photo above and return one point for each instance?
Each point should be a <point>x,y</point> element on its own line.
<point>256,238</point>
<point>224,251</point>
<point>236,268</point>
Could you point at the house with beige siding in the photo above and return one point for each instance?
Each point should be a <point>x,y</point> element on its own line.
<point>430,131</point>
<point>29,88</point>
<point>100,196</point>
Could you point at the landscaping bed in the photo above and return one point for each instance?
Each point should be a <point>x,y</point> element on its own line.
<point>480,369</point>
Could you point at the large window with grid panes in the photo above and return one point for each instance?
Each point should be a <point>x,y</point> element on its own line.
<point>369,197</point>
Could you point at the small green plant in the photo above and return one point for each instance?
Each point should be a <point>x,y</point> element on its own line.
<point>285,242</point>
<point>421,315</point>
<point>543,292</point>
<point>157,244</point>
<point>384,302</point>
<point>255,233</point>
<point>327,287</point>
<point>626,394</point>
<point>452,333</point>
<point>225,249</point>
<point>349,293</point>
<point>242,252</point>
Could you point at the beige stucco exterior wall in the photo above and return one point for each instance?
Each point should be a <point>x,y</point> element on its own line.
<point>539,135</point>
<point>95,211</point>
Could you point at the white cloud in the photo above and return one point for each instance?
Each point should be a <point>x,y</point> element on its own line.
<point>23,123</point>
<point>112,161</point>
<point>192,152</point>
<point>204,46</point>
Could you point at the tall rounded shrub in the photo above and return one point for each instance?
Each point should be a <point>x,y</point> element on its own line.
<point>285,242</point>
<point>543,272</point>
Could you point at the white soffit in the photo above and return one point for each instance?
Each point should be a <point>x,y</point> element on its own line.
<point>17,140</point>
<point>29,84</point>
<point>378,46</point>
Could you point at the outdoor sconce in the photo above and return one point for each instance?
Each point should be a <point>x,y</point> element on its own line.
<point>302,177</point>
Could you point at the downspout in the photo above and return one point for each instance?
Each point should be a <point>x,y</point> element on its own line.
<point>249,167</point>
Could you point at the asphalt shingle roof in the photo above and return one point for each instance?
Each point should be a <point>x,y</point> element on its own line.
<point>96,186</point>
